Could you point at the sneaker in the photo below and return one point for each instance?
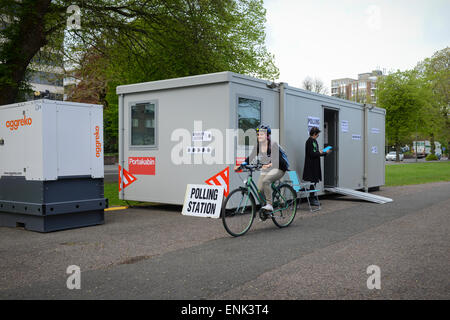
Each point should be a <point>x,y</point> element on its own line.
<point>314,202</point>
<point>267,207</point>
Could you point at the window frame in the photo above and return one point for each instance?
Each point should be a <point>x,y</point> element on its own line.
<point>154,146</point>
<point>261,100</point>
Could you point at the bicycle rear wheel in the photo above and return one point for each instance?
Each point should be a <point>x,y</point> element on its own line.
<point>285,205</point>
<point>238,212</point>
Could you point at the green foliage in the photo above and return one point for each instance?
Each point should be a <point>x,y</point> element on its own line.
<point>19,21</point>
<point>408,155</point>
<point>431,157</point>
<point>134,41</point>
<point>417,101</point>
<point>143,39</point>
<point>436,73</point>
<point>111,124</point>
<point>194,37</point>
<point>188,38</point>
<point>406,99</point>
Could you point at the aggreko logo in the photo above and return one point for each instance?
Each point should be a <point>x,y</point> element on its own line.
<point>98,144</point>
<point>15,124</point>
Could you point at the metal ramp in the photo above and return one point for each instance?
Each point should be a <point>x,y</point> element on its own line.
<point>358,194</point>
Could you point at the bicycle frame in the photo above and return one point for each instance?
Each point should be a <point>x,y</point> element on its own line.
<point>235,218</point>
<point>253,189</point>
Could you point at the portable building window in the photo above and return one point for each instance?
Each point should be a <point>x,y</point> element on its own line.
<point>143,129</point>
<point>249,116</point>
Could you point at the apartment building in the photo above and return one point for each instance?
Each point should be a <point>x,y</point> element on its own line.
<point>46,77</point>
<point>359,90</point>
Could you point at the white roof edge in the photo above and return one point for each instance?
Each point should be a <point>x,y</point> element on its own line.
<point>202,79</point>
<point>24,103</point>
<point>331,98</point>
<point>81,104</point>
<point>382,110</point>
<point>219,77</point>
<point>251,78</point>
<point>324,97</point>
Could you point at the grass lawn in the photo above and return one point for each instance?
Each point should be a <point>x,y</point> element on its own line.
<point>112,194</point>
<point>417,173</point>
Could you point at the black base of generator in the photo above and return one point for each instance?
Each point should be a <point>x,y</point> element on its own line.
<point>47,206</point>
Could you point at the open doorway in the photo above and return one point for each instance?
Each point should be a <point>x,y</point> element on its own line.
<point>330,138</point>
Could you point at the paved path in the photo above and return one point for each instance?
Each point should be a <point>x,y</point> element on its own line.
<point>160,254</point>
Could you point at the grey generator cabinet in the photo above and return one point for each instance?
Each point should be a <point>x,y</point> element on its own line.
<point>51,165</point>
<point>177,132</point>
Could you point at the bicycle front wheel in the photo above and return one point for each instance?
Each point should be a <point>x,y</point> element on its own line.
<point>285,205</point>
<point>238,212</point>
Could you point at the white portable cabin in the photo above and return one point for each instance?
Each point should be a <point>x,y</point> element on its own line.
<point>177,132</point>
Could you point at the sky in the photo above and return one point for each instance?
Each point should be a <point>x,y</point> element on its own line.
<point>329,39</point>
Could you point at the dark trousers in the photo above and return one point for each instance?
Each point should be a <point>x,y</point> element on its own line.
<point>312,195</point>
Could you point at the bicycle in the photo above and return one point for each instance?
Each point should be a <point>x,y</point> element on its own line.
<point>239,207</point>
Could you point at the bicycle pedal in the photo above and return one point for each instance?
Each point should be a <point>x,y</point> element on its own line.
<point>263,216</point>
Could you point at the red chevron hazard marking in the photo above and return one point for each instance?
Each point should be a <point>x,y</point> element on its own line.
<point>128,178</point>
<point>221,179</point>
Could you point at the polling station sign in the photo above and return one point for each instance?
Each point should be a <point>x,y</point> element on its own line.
<point>313,122</point>
<point>203,201</point>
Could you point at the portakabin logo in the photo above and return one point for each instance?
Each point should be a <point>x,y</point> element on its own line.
<point>142,165</point>
<point>15,124</point>
<point>98,144</point>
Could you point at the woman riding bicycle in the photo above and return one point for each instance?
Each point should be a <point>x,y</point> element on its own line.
<point>274,167</point>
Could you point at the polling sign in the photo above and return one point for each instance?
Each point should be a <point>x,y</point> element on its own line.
<point>313,122</point>
<point>203,201</point>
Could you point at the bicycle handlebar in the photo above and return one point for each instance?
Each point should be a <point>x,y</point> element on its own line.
<point>250,167</point>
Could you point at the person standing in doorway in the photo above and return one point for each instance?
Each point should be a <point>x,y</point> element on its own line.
<point>311,170</point>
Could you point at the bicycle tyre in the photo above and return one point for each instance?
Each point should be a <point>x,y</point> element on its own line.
<point>237,218</point>
<point>284,219</point>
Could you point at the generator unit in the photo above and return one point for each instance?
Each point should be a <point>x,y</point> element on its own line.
<point>51,165</point>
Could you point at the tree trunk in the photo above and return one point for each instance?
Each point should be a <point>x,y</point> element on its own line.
<point>23,46</point>
<point>397,146</point>
<point>433,147</point>
<point>397,151</point>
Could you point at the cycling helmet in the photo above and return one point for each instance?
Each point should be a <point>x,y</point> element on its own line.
<point>264,127</point>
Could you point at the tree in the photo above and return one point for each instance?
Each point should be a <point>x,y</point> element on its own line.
<point>232,29</point>
<point>31,25</point>
<point>307,84</point>
<point>435,71</point>
<point>90,80</point>
<point>210,36</point>
<point>319,86</point>
<point>315,85</point>
<point>406,99</point>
